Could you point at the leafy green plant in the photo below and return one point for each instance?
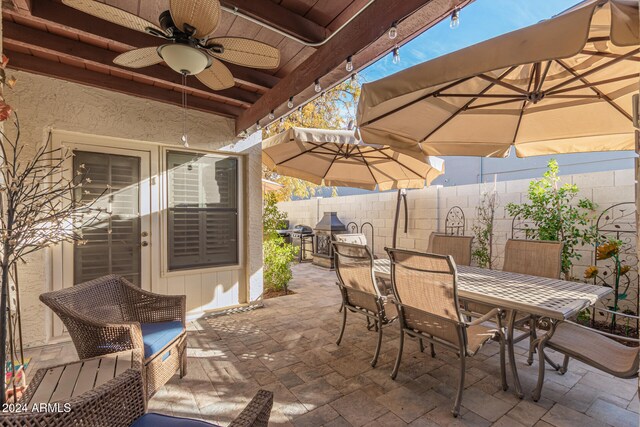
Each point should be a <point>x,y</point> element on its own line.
<point>483,230</point>
<point>557,215</point>
<point>272,219</point>
<point>278,254</point>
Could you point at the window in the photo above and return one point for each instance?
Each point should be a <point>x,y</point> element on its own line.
<point>202,220</point>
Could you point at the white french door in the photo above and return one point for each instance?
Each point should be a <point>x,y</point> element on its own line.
<point>118,241</point>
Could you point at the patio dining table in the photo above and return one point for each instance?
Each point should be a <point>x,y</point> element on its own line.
<point>553,300</point>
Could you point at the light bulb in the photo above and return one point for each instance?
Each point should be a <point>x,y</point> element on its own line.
<point>322,94</point>
<point>393,31</point>
<point>455,19</point>
<point>349,66</point>
<point>281,120</point>
<point>185,141</point>
<point>317,87</point>
<point>258,127</point>
<point>271,115</point>
<point>354,78</point>
<point>396,55</point>
<point>290,103</point>
<point>300,109</point>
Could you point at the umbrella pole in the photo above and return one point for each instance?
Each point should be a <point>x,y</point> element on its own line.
<point>637,186</point>
<point>402,197</point>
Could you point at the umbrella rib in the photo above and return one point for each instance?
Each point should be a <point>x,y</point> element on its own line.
<point>465,106</point>
<point>533,76</point>
<point>493,104</point>
<point>338,153</point>
<point>398,162</point>
<point>422,98</point>
<point>542,78</point>
<point>607,55</point>
<point>601,82</point>
<point>595,89</point>
<point>577,77</point>
<point>472,95</point>
<point>499,82</point>
<point>367,164</point>
<point>302,153</point>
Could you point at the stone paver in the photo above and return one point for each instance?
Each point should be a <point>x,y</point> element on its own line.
<point>288,347</point>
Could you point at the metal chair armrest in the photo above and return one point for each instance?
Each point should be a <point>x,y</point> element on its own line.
<point>496,312</point>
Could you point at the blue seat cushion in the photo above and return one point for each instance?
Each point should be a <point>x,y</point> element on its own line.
<point>157,335</point>
<point>158,420</point>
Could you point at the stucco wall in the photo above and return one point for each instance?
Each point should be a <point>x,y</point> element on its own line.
<point>44,103</point>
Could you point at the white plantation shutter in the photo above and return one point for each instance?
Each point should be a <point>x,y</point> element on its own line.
<point>203,210</point>
<point>112,242</point>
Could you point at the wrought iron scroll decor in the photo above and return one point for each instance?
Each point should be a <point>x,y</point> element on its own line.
<point>454,223</point>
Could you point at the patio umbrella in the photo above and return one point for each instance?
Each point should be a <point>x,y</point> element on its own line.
<point>337,158</point>
<point>564,85</point>
<point>269,186</point>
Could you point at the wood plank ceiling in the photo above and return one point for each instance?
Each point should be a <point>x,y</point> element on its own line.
<point>46,37</point>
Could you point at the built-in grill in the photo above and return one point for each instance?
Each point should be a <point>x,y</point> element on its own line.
<point>325,232</point>
<point>302,236</point>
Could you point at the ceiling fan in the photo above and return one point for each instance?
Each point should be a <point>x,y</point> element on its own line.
<point>189,50</point>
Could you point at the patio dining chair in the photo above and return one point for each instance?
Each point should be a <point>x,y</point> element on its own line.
<point>459,247</point>
<point>361,239</point>
<point>109,314</point>
<point>425,289</point>
<point>360,293</point>
<point>542,258</point>
<point>599,349</point>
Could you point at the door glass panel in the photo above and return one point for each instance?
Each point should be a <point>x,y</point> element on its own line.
<point>111,244</point>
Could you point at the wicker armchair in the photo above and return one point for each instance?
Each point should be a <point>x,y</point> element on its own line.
<point>121,402</point>
<point>595,348</point>
<point>360,293</point>
<point>459,247</point>
<point>426,294</point>
<point>109,314</point>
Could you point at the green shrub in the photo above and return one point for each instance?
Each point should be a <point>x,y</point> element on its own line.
<point>557,215</point>
<point>278,254</point>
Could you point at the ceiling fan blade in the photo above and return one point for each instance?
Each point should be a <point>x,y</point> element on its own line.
<point>138,58</point>
<point>112,14</point>
<point>203,15</point>
<point>246,52</point>
<point>217,76</point>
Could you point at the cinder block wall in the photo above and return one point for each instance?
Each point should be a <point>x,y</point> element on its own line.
<point>428,209</point>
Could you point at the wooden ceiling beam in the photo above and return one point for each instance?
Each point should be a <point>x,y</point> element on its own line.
<point>15,34</point>
<point>58,15</point>
<point>363,39</point>
<point>281,18</point>
<point>32,64</point>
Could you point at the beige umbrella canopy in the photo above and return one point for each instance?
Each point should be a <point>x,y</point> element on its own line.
<point>564,85</point>
<point>269,186</point>
<point>337,158</point>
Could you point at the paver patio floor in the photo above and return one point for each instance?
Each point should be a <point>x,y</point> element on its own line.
<point>288,347</point>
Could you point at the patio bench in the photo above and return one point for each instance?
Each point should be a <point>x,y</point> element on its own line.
<point>109,314</point>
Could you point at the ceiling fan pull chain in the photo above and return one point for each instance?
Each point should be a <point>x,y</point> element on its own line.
<point>185,141</point>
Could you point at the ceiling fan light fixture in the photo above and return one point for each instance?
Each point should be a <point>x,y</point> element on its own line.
<point>184,59</point>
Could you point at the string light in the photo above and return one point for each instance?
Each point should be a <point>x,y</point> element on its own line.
<point>322,95</point>
<point>317,86</point>
<point>396,55</point>
<point>281,120</point>
<point>290,103</point>
<point>354,78</point>
<point>393,31</point>
<point>272,115</point>
<point>300,109</point>
<point>349,66</point>
<point>258,127</point>
<point>455,19</point>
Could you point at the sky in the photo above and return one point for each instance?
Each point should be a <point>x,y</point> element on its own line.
<point>479,21</point>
